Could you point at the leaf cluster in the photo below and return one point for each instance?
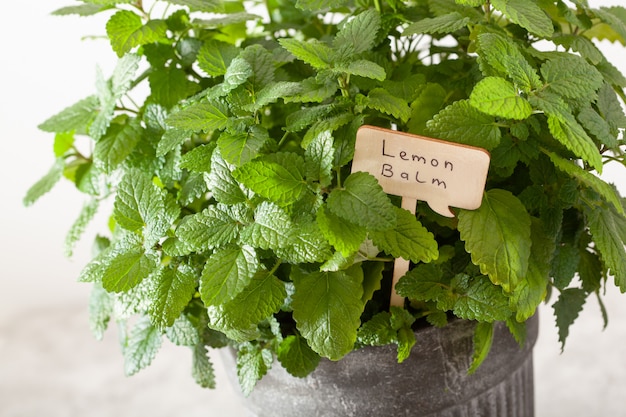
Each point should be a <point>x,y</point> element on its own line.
<point>237,221</point>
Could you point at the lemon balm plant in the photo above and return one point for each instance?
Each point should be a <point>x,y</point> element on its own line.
<point>224,138</point>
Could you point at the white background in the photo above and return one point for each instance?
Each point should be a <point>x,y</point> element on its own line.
<point>45,67</point>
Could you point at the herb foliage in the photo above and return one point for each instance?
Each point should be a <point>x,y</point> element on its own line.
<point>236,220</point>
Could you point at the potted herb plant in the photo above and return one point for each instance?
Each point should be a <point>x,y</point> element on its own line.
<point>225,138</point>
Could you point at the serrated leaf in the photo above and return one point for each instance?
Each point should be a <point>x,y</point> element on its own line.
<point>595,124</point>
<point>115,146</point>
<point>383,101</point>
<point>568,132</point>
<point>447,23</point>
<point>140,205</point>
<point>262,64</point>
<point>76,117</point>
<point>204,116</point>
<point>531,291</point>
<point>408,239</point>
<point>483,338</point>
<point>143,344</point>
<point>504,56</point>
<point>327,308</point>
<point>212,228</point>
<point>498,237</point>
<point>80,224</point>
<point>571,76</point>
<point>527,14</point>
<point>126,31</point>
<point>198,159</point>
<point>295,355</point>
<point>227,273</point>
<point>253,362</point>
<point>313,91</point>
<point>272,92</point>
<point>261,298</point>
<point>202,367</point>
<point>45,184</point>
<point>215,57</point>
<point>209,6</point>
<point>174,288</point>
<point>183,332</point>
<point>319,157</point>
<point>608,192</point>
<point>313,52</point>
<point>80,10</point>
<point>100,310</point>
<point>221,182</point>
<point>169,86</point>
<point>171,139</point>
<point>608,231</point>
<point>462,123</point>
<point>241,148</point>
<point>362,68</point>
<point>308,245</point>
<point>610,109</point>
<point>496,96</point>
<point>357,35</point>
<point>482,301</point>
<point>127,269</point>
<point>315,5</point>
<point>363,201</point>
<point>566,310</point>
<point>332,123</point>
<point>345,236</point>
<point>279,178</point>
<point>377,331</point>
<point>426,282</point>
<point>272,228</point>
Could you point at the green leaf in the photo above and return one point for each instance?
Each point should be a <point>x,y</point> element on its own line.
<point>272,228</point>
<point>357,35</point>
<point>212,228</point>
<point>183,332</point>
<point>572,76</point>
<point>498,237</point>
<point>171,139</point>
<point>143,344</point>
<point>272,92</point>
<point>363,201</point>
<point>606,191</point>
<point>319,157</point>
<point>462,123</point>
<point>527,14</point>
<point>80,224</point>
<point>227,273</point>
<point>208,6</point>
<point>127,269</point>
<point>198,159</point>
<point>609,235</point>
<point>443,24</point>
<point>169,86</point>
<point>345,236</point>
<point>313,52</point>
<point>202,368</point>
<point>501,54</point>
<point>76,117</point>
<point>126,31</point>
<point>315,5</point>
<point>408,239</point>
<point>426,282</point>
<point>308,245</point>
<point>115,146</point>
<point>480,300</point>
<point>221,182</point>
<point>532,290</point>
<point>327,308</point>
<point>253,362</point>
<point>383,101</point>
<point>279,178</point>
<point>100,310</point>
<point>45,184</point>
<point>566,310</point>
<point>215,57</point>
<point>496,96</point>
<point>297,357</point>
<point>140,205</point>
<point>377,331</point>
<point>362,68</point>
<point>259,300</point>
<point>568,132</point>
<point>240,148</point>
<point>174,288</point>
<point>80,10</point>
<point>483,338</point>
<point>203,116</point>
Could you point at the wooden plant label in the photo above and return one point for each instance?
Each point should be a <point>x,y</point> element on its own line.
<point>441,173</point>
<point>414,167</point>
